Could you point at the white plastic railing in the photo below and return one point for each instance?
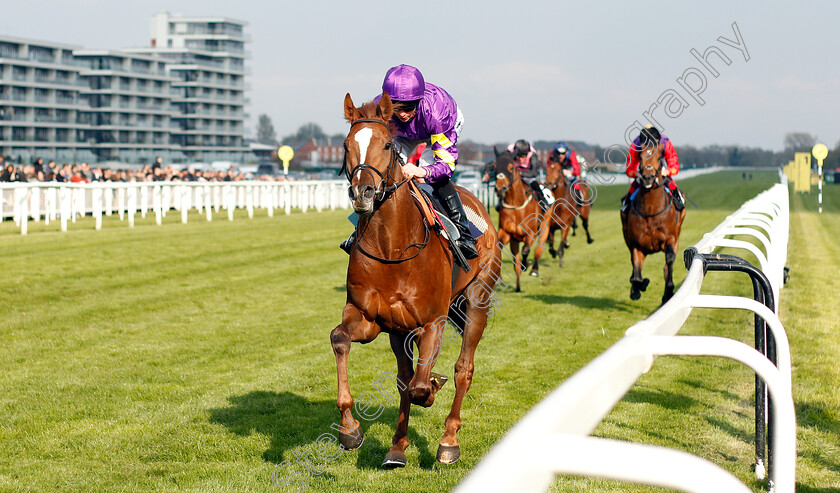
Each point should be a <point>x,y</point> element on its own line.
<point>24,202</point>
<point>554,437</point>
<point>65,202</point>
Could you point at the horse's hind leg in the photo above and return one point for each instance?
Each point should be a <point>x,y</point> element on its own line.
<point>517,263</point>
<point>637,283</point>
<point>551,249</point>
<point>405,371</point>
<point>584,220</point>
<point>670,256</point>
<point>449,449</point>
<point>526,250</point>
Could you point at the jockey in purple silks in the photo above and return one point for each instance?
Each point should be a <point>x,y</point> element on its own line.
<point>425,113</point>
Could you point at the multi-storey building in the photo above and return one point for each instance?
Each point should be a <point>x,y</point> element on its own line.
<point>131,110</point>
<point>182,99</point>
<point>42,112</point>
<point>207,57</point>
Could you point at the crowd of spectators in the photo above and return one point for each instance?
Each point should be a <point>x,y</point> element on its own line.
<point>84,173</point>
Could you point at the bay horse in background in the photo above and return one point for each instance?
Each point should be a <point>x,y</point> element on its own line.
<point>651,224</point>
<point>569,203</point>
<point>401,280</point>
<point>521,219</point>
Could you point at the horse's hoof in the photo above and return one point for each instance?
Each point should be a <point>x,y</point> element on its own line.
<point>351,441</point>
<point>566,245</point>
<point>635,295</point>
<point>534,273</point>
<point>590,240</point>
<point>394,459</point>
<point>553,253</point>
<point>438,380</point>
<point>645,283</point>
<point>448,454</point>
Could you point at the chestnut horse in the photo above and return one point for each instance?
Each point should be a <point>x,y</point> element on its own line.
<point>652,223</point>
<point>568,204</point>
<point>400,280</point>
<point>521,218</point>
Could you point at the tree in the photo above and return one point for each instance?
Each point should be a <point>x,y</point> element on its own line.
<point>265,130</point>
<point>799,141</point>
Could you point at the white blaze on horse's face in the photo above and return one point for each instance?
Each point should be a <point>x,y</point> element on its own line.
<point>362,138</point>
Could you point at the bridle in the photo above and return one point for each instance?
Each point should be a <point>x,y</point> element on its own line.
<point>648,167</point>
<point>655,184</point>
<point>383,191</point>
<point>552,185</point>
<point>502,192</point>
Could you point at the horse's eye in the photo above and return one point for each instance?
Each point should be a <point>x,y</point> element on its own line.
<point>387,146</point>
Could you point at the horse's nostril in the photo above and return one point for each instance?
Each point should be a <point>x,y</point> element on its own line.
<point>368,193</point>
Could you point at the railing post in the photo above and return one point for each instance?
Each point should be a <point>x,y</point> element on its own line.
<point>185,206</point>
<point>96,198</point>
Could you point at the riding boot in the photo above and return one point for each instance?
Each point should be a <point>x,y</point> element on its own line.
<point>453,205</point>
<point>625,202</point>
<point>676,195</point>
<point>347,244</point>
<point>539,195</point>
<point>679,201</point>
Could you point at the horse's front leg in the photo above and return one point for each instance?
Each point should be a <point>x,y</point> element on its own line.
<point>670,256</point>
<point>405,372</point>
<point>543,229</point>
<point>353,327</point>
<point>637,283</point>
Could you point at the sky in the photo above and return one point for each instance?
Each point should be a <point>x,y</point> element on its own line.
<point>538,70</point>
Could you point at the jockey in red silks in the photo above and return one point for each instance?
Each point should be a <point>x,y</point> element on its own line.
<point>568,160</point>
<point>426,114</point>
<point>417,154</point>
<point>672,168</point>
<point>528,165</point>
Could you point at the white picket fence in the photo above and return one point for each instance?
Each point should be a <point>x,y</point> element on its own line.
<point>554,437</point>
<point>65,202</point>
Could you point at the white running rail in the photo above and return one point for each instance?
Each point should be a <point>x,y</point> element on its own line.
<point>65,202</point>
<point>554,436</point>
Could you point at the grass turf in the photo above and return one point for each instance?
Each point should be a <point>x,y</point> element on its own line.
<point>196,357</point>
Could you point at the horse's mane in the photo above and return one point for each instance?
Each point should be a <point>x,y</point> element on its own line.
<point>370,110</point>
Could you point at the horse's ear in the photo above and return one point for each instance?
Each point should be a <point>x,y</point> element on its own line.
<point>661,148</point>
<point>351,113</point>
<point>385,109</point>
<point>495,151</point>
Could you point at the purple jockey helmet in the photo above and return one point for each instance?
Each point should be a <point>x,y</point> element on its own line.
<point>404,83</point>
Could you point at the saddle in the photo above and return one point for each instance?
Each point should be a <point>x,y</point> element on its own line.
<point>440,216</point>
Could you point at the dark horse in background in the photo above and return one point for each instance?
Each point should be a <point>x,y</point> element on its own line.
<point>400,280</point>
<point>521,219</point>
<point>651,224</point>
<point>569,203</point>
